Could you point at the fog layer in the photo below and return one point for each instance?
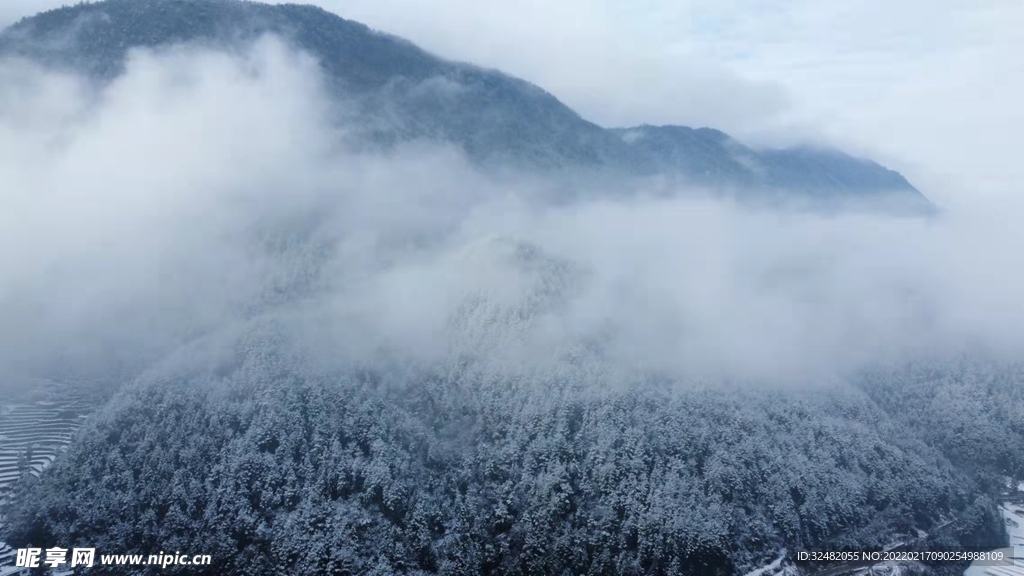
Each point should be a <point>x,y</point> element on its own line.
<point>201,190</point>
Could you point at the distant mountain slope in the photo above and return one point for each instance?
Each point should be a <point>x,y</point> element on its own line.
<point>495,118</point>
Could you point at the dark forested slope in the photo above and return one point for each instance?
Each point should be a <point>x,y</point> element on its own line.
<point>492,116</point>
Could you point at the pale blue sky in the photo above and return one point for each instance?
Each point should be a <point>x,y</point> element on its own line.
<point>930,88</point>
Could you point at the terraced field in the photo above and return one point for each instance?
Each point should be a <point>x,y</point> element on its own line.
<point>32,433</point>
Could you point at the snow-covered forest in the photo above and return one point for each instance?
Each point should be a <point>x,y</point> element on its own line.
<point>271,468</point>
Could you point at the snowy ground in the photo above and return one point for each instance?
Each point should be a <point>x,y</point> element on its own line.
<point>770,568</point>
<point>1013,518</point>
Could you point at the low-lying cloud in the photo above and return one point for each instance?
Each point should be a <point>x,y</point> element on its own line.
<point>200,190</point>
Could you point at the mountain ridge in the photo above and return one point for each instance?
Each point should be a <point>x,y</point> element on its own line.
<point>494,117</point>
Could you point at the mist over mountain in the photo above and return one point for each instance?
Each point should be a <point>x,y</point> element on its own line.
<point>337,325</point>
<point>404,93</point>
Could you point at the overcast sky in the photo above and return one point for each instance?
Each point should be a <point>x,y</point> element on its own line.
<point>929,88</point>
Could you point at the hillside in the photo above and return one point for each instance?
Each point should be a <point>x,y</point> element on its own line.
<point>268,447</point>
<point>271,467</point>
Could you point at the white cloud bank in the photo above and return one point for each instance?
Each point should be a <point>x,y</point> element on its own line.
<point>200,187</point>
